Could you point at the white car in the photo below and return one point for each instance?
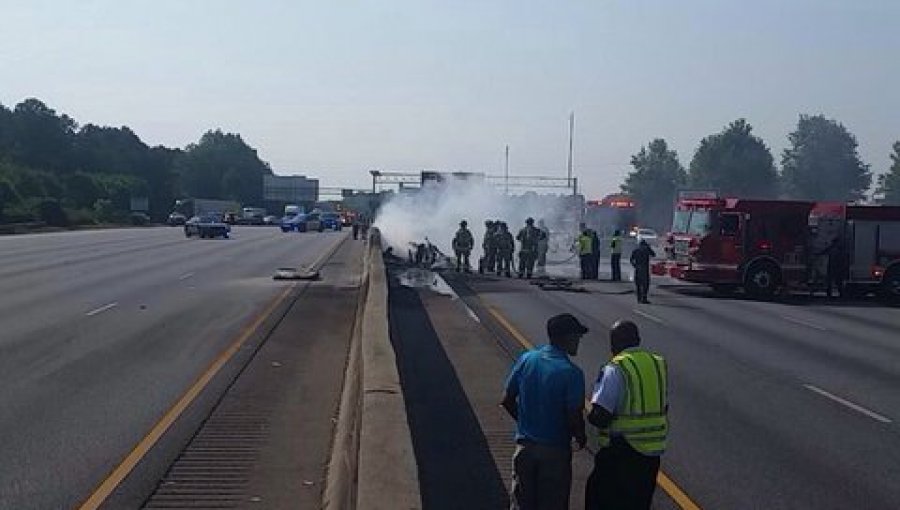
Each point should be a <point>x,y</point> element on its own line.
<point>646,234</point>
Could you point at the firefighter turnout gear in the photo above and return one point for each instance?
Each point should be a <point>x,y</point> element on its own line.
<point>462,247</point>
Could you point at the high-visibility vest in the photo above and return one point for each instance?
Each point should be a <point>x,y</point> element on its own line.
<point>584,244</point>
<point>642,419</point>
<point>615,246</point>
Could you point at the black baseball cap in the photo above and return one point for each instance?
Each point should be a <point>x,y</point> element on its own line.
<point>564,324</point>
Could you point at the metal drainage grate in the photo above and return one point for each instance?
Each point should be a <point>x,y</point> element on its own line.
<point>214,470</point>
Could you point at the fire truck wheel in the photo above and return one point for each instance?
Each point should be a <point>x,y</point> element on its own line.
<point>762,280</point>
<point>890,285</point>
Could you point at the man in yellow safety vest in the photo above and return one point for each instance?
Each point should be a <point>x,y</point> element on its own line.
<point>615,256</point>
<point>629,405</point>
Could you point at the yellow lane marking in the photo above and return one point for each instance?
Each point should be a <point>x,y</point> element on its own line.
<point>118,474</point>
<point>674,492</point>
<point>131,460</point>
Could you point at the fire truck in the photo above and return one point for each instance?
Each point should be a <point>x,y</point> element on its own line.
<point>766,245</point>
<point>867,239</point>
<point>613,212</point>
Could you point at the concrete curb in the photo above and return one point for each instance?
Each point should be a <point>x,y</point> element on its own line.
<point>340,479</point>
<point>372,444</point>
<point>388,474</point>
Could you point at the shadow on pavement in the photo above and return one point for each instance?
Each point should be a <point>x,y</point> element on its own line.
<point>456,468</point>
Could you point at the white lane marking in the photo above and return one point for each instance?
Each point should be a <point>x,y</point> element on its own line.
<point>803,323</point>
<point>856,407</point>
<point>648,316</point>
<point>101,309</point>
<point>185,276</point>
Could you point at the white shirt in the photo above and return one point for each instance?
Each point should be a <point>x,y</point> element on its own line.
<point>609,390</point>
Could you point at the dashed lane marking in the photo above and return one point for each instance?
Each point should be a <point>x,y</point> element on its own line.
<point>185,276</point>
<point>115,477</point>
<point>856,407</point>
<point>804,323</point>
<point>102,309</point>
<point>648,316</point>
<point>667,484</point>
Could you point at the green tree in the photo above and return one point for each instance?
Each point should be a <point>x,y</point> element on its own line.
<point>889,183</point>
<point>82,189</point>
<point>41,139</point>
<point>656,176</point>
<point>8,195</point>
<point>221,165</point>
<point>823,163</point>
<point>734,162</point>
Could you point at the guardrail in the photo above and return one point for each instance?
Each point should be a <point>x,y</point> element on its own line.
<point>372,464</point>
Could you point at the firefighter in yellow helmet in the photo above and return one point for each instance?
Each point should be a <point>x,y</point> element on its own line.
<point>629,405</point>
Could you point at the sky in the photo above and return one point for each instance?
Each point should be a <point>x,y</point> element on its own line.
<point>335,88</point>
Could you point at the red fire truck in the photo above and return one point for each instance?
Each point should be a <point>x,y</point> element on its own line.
<point>765,245</point>
<point>613,212</point>
<point>759,245</point>
<point>868,240</point>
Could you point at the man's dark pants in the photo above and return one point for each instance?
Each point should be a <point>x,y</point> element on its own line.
<point>615,261</point>
<point>595,266</point>
<point>542,477</point>
<point>585,266</point>
<point>642,284</point>
<point>622,479</point>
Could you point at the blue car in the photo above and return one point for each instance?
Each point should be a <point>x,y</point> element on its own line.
<point>331,221</point>
<point>294,223</point>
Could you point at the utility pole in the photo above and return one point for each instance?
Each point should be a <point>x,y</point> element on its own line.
<point>507,169</point>
<point>571,146</point>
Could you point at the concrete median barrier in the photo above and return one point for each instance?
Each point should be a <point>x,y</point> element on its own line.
<point>373,465</point>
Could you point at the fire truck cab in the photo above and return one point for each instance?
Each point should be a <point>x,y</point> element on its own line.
<point>730,243</point>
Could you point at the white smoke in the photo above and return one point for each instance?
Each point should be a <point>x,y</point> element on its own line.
<point>434,212</point>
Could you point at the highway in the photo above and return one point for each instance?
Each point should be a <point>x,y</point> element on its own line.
<point>777,405</point>
<point>102,331</point>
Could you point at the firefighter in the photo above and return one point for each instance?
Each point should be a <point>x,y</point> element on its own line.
<point>585,252</point>
<point>835,268</point>
<point>462,247</point>
<point>630,407</point>
<point>640,261</point>
<point>543,247</point>
<point>615,256</point>
<point>488,259</point>
<point>528,239</point>
<point>506,246</point>
<point>595,255</point>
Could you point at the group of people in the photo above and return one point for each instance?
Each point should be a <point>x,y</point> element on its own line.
<point>588,248</point>
<point>545,395</point>
<point>499,247</point>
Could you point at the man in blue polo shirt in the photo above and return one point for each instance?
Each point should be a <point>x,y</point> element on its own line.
<point>545,395</point>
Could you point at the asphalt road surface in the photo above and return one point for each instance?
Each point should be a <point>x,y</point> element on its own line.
<point>777,405</point>
<point>102,331</point>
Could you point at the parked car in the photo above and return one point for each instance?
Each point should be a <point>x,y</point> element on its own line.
<point>271,220</point>
<point>207,226</point>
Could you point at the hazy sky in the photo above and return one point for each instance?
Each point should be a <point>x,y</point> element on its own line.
<point>334,88</point>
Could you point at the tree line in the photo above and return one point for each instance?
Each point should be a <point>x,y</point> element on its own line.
<point>55,171</point>
<point>822,162</point>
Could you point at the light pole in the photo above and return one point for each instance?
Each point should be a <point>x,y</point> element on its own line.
<point>507,169</point>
